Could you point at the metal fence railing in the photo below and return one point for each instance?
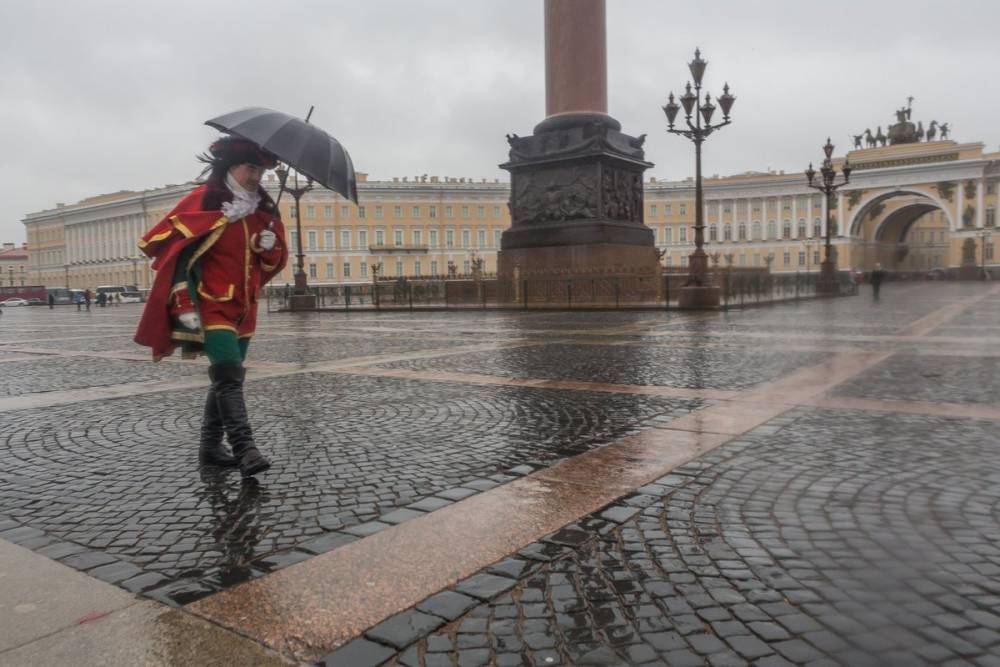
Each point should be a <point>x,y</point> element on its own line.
<point>739,289</point>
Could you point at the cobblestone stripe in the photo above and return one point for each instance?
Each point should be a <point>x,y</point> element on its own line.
<point>928,323</point>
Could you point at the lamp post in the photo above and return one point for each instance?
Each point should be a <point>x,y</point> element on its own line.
<point>301,282</point>
<point>828,185</point>
<point>987,240</point>
<point>697,292</point>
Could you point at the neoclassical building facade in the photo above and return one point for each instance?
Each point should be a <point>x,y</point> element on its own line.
<point>908,207</point>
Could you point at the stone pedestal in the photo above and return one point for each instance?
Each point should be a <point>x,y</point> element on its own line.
<point>577,202</point>
<point>699,297</point>
<point>302,302</point>
<point>827,278</point>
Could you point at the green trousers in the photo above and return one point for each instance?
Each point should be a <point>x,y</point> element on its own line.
<point>223,347</point>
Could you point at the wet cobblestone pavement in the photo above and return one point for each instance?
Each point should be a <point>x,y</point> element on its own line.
<point>782,547</point>
<point>694,368</point>
<point>843,513</point>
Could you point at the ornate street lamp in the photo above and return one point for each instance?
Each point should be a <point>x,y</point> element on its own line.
<point>697,292</point>
<point>828,185</point>
<point>301,282</point>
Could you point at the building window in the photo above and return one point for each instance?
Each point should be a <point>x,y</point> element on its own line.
<point>432,211</point>
<point>362,238</point>
<point>772,230</point>
<point>434,267</point>
<point>496,238</point>
<point>418,236</point>
<point>310,211</point>
<point>482,238</point>
<point>448,212</point>
<point>449,238</point>
<point>432,235</point>
<point>481,211</point>
<point>496,211</point>
<point>466,238</point>
<point>466,268</point>
<point>347,269</point>
<point>329,270</point>
<point>684,260</point>
<point>802,258</point>
<point>743,231</point>
<point>378,212</point>
<point>652,210</point>
<point>817,228</point>
<point>416,268</point>
<point>312,270</point>
<point>990,187</point>
<point>312,239</point>
<point>788,258</point>
<point>756,231</point>
<point>713,233</point>
<point>465,211</point>
<point>379,237</point>
<point>786,230</point>
<point>293,238</point>
<point>683,234</point>
<point>727,233</point>
<point>399,268</point>
<point>397,211</point>
<point>815,257</point>
<point>361,211</point>
<point>684,209</point>
<point>801,229</point>
<point>327,212</point>
<point>292,211</point>
<point>989,251</point>
<point>399,237</point>
<point>991,216</point>
<point>666,209</point>
<point>415,212</point>
<point>668,234</point>
<point>328,239</point>
<point>345,211</point>
<point>364,269</point>
<point>756,259</point>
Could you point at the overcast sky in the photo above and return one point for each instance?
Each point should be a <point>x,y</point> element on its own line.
<point>105,95</point>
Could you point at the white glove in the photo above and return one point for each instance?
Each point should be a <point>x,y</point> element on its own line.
<point>238,209</point>
<point>190,320</point>
<point>266,240</point>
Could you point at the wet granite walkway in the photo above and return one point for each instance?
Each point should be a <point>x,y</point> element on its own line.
<point>786,485</point>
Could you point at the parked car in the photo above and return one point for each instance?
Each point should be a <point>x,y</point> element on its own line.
<point>13,301</point>
<point>131,297</point>
<point>936,274</point>
<point>37,302</point>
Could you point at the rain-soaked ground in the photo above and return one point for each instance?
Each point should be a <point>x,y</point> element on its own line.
<point>808,483</point>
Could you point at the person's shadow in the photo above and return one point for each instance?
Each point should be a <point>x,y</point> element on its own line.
<point>236,521</point>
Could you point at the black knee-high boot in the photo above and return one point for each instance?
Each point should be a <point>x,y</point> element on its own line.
<point>212,451</point>
<point>227,382</point>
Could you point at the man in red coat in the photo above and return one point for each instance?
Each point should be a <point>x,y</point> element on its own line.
<point>212,254</point>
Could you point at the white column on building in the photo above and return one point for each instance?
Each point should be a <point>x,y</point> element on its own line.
<point>795,216</point>
<point>980,205</point>
<point>958,205</point>
<point>841,230</point>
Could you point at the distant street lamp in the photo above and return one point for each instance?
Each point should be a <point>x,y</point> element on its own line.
<point>700,293</point>
<point>987,240</point>
<point>828,186</point>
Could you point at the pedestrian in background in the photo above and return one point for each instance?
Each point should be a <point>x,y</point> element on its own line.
<point>52,301</point>
<point>878,275</point>
<point>86,297</point>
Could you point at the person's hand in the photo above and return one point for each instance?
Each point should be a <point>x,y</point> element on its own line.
<point>238,209</point>
<point>190,320</point>
<point>266,239</point>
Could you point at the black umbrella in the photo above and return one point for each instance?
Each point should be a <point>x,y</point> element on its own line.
<point>297,143</point>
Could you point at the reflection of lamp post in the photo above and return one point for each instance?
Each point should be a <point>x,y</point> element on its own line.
<point>699,292</point>
<point>828,186</point>
<point>301,282</point>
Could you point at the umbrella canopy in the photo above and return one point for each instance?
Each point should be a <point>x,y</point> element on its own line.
<point>297,143</point>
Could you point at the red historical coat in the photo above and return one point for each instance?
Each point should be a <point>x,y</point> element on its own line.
<point>225,270</point>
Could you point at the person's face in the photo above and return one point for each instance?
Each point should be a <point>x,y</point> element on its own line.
<point>247,175</point>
